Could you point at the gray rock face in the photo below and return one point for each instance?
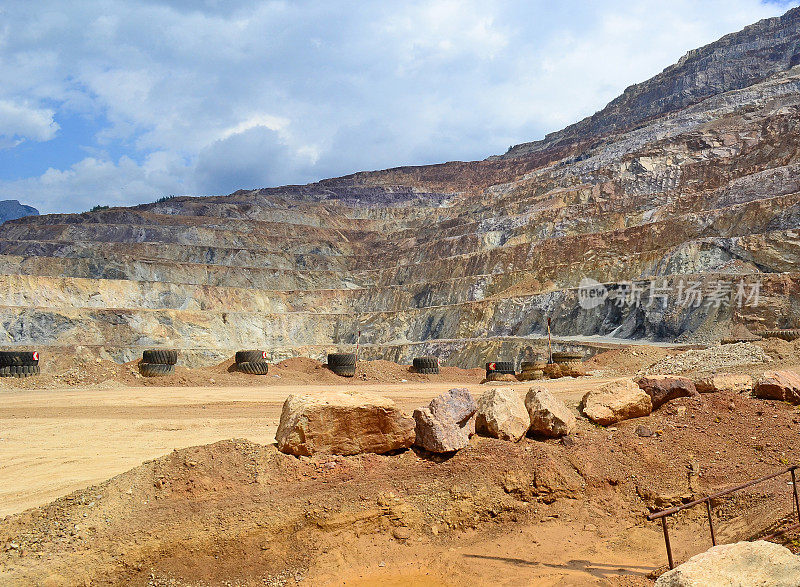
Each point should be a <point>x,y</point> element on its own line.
<point>342,423</point>
<point>751,564</point>
<point>502,414</point>
<point>549,416</point>
<point>12,210</point>
<point>447,423</point>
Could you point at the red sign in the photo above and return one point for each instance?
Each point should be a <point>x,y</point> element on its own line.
<point>35,356</point>
<point>263,354</point>
<point>492,366</point>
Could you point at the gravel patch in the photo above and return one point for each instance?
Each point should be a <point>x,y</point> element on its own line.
<point>716,357</point>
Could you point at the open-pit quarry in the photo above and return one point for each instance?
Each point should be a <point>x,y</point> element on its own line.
<point>643,238</point>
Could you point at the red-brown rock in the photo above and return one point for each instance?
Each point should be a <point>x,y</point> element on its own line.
<point>663,388</point>
<point>780,385</point>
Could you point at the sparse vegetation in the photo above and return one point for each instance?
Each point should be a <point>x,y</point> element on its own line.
<point>98,208</point>
<point>165,198</point>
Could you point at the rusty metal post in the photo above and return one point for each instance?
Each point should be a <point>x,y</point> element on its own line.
<point>711,523</point>
<point>666,541</point>
<point>794,490</point>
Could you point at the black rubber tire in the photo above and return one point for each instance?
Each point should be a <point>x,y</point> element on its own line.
<point>531,375</point>
<point>790,334</point>
<point>341,360</point>
<point>343,370</point>
<point>250,357</point>
<point>17,358</point>
<point>155,369</point>
<point>19,370</point>
<point>497,375</point>
<point>501,367</point>
<point>427,370</point>
<point>563,357</point>
<point>532,365</point>
<point>254,368</point>
<point>425,363</point>
<point>160,357</point>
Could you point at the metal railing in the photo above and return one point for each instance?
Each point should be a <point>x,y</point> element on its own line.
<point>708,500</point>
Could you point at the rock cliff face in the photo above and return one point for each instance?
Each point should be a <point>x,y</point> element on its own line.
<point>680,200</point>
<point>12,209</point>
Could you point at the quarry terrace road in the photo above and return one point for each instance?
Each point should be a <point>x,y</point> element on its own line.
<point>56,441</point>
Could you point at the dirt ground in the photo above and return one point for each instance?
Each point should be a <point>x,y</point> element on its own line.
<point>237,512</point>
<point>56,441</point>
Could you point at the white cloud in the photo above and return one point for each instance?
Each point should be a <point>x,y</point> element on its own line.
<point>209,97</point>
<point>271,122</point>
<point>19,122</point>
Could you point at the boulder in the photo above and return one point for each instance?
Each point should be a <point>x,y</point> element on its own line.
<point>501,414</point>
<point>615,401</point>
<point>742,563</point>
<point>447,423</point>
<point>663,388</point>
<point>343,423</point>
<point>780,385</point>
<point>549,416</point>
<point>731,382</point>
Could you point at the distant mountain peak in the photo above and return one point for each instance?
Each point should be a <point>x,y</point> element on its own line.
<point>735,61</point>
<point>12,209</point>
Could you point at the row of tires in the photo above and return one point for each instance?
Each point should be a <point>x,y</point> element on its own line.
<point>160,362</point>
<point>530,370</point>
<point>19,363</point>
<point>789,334</point>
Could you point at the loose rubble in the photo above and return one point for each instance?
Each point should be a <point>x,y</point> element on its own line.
<point>711,359</point>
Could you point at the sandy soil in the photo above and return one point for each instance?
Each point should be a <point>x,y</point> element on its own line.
<point>56,441</point>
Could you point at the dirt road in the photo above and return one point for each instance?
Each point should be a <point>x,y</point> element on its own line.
<point>56,441</point>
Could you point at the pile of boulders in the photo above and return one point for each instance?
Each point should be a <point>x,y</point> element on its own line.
<point>348,423</point>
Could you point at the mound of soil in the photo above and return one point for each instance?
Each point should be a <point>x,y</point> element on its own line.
<point>742,333</point>
<point>627,360</point>
<point>235,512</point>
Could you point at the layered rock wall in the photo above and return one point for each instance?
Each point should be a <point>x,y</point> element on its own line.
<point>698,184</point>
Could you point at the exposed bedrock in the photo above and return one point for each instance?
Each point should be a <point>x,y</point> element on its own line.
<point>687,181</point>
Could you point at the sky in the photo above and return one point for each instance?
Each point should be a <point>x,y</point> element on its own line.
<point>121,102</point>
